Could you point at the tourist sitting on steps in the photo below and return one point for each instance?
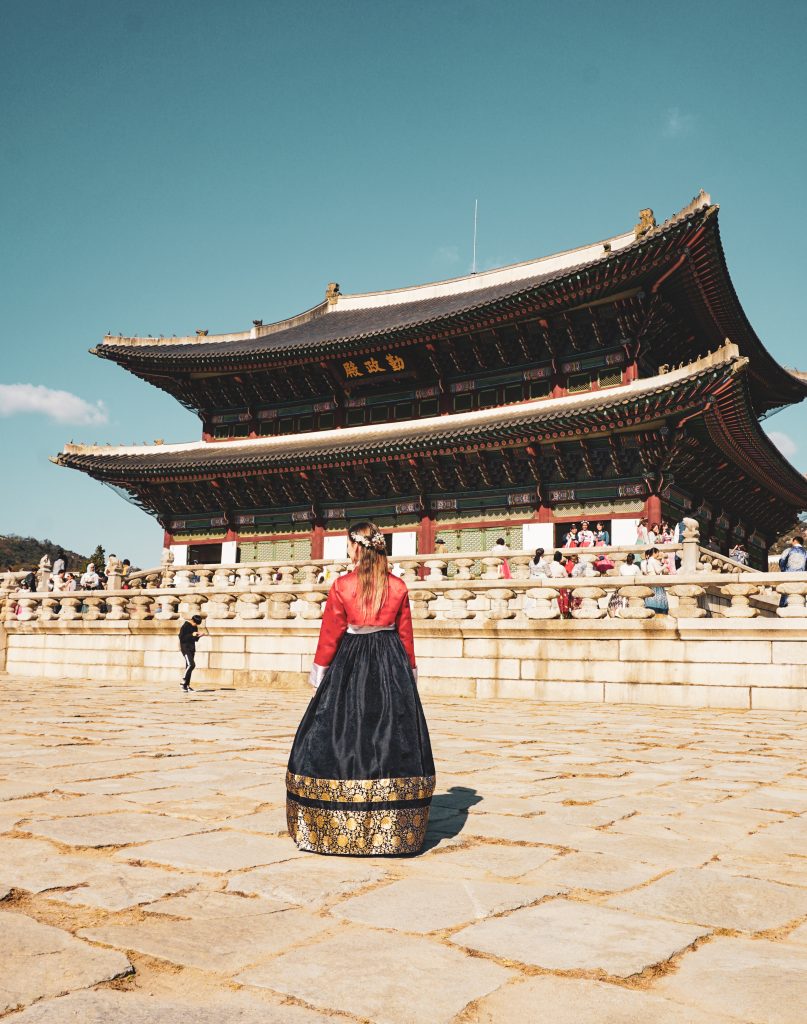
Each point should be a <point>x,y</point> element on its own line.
<point>188,635</point>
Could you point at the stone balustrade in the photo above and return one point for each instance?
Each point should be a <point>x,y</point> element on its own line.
<point>437,598</point>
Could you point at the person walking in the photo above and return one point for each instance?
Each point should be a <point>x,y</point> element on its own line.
<point>361,773</point>
<point>794,559</point>
<point>188,636</point>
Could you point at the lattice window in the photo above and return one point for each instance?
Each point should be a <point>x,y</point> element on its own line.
<point>293,550</point>
<point>610,378</point>
<point>579,382</point>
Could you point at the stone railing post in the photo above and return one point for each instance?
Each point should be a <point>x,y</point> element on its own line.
<point>96,609</point>
<point>589,607</point>
<point>287,573</point>
<point>687,594</point>
<point>520,566</point>
<point>49,608</point>
<point>313,603</point>
<point>636,607</point>
<point>70,608</point>
<point>542,603</point>
<point>116,607</point>
<point>27,607</point>
<point>191,604</point>
<point>436,568</point>
<point>166,607</point>
<point>308,574</point>
<point>492,570</point>
<point>796,607</point>
<point>690,547</point>
<point>279,604</point>
<point>410,568</point>
<point>114,580</point>
<point>458,604</point>
<point>266,575</point>
<point>739,594</point>
<point>220,605</point>
<point>464,566</point>
<point>248,605</point>
<point>420,600</point>
<point>500,605</point>
<point>205,576</point>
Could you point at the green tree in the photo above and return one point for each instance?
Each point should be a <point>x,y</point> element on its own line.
<point>98,557</point>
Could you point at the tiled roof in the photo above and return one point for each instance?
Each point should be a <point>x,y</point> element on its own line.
<point>360,317</point>
<point>390,439</point>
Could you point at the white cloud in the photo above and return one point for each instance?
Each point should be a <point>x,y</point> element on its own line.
<point>60,406</point>
<point>786,445</point>
<point>447,254</point>
<point>677,124</point>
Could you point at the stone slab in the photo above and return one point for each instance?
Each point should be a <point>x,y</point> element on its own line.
<point>296,882</point>
<point>752,980</point>
<point>709,896</point>
<point>564,936</point>
<point>37,961</point>
<point>224,939</point>
<point>384,978</point>
<point>215,851</point>
<point>484,860</point>
<point>597,872</point>
<point>109,1007</point>
<point>432,904</point>
<point>116,829</point>
<point>578,1001</point>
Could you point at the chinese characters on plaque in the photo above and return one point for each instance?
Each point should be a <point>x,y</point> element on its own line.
<point>366,367</point>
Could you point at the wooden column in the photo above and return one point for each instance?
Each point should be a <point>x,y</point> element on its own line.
<point>652,510</point>
<point>426,535</point>
<point>318,540</point>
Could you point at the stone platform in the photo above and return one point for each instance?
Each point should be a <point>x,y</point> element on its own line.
<point>599,863</point>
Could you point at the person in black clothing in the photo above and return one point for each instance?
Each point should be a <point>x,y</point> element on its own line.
<point>188,635</point>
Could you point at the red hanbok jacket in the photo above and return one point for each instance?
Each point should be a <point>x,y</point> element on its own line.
<point>342,609</point>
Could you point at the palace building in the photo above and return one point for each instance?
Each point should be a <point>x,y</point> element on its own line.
<point>610,382</point>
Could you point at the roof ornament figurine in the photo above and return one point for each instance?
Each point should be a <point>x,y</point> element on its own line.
<point>201,334</point>
<point>332,293</point>
<point>647,221</point>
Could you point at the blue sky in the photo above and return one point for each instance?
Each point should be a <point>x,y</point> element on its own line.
<point>183,164</point>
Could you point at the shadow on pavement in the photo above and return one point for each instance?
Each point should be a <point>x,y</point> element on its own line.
<point>449,812</point>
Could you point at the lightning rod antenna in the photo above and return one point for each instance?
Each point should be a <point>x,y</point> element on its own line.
<point>476,210</point>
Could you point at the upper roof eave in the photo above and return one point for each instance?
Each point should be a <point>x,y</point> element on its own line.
<point>355,317</point>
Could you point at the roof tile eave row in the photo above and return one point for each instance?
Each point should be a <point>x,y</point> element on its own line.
<point>352,442</point>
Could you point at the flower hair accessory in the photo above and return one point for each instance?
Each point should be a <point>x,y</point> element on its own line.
<point>375,540</point>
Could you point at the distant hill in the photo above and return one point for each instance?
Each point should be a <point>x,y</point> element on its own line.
<point>799,528</point>
<point>25,552</point>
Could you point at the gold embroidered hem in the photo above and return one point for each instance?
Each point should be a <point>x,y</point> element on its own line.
<point>361,791</point>
<point>353,832</point>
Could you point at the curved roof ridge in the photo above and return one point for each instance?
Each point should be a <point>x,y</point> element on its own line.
<point>338,303</point>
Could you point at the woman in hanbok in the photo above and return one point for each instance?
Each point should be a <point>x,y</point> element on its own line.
<point>361,773</point>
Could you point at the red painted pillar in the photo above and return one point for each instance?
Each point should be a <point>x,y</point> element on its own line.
<point>426,535</point>
<point>318,541</point>
<point>168,540</point>
<point>652,510</point>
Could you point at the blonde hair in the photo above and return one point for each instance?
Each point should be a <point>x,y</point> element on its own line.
<point>372,568</point>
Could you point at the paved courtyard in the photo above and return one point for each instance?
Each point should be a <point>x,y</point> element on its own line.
<point>597,864</point>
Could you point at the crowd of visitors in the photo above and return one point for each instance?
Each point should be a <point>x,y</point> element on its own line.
<point>63,580</point>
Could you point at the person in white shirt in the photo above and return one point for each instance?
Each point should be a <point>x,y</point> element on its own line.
<point>538,566</point>
<point>557,568</point>
<point>582,567</point>
<point>90,580</point>
<point>500,547</point>
<point>629,566</point>
<point>585,536</point>
<point>652,564</point>
<point>58,582</point>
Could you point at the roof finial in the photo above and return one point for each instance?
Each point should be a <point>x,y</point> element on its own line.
<point>647,222</point>
<point>201,334</point>
<point>332,293</point>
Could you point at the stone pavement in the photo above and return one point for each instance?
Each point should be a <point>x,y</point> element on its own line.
<point>585,863</point>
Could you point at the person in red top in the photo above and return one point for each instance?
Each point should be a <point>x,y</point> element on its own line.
<point>361,773</point>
